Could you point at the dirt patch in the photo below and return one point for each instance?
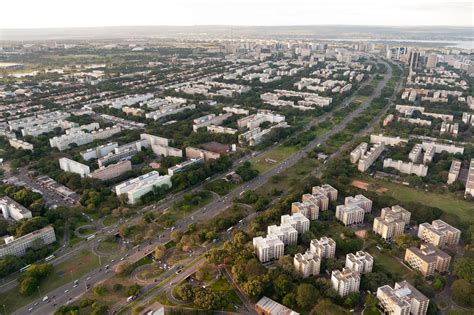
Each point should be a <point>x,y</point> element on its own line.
<point>360,184</point>
<point>381,190</point>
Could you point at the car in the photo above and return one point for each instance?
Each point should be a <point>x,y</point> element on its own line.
<point>30,309</point>
<point>74,286</point>
<point>179,271</point>
<point>88,278</point>
<point>76,281</point>
<point>121,259</point>
<point>66,291</point>
<point>45,298</point>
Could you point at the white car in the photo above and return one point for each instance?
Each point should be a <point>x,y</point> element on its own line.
<point>66,291</point>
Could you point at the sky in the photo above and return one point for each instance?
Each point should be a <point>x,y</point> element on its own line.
<point>91,13</point>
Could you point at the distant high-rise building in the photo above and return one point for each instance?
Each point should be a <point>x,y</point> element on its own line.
<point>432,61</point>
<point>413,59</point>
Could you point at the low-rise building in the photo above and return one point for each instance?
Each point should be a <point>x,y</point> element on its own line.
<point>345,281</point>
<point>386,140</point>
<point>362,262</point>
<point>406,167</point>
<point>98,152</point>
<point>369,157</point>
<point>307,264</point>
<point>454,172</point>
<point>195,153</point>
<point>349,215</point>
<point>325,247</point>
<point>403,299</point>
<point>18,246</point>
<point>415,153</point>
<point>268,248</point>
<point>139,186</point>
<point>13,210</point>
<point>111,171</point>
<point>72,166</point>
<point>427,259</point>
<point>439,233</point>
<point>266,306</point>
<point>358,152</point>
<point>391,222</point>
<point>183,166</point>
<point>20,144</point>
<point>470,180</point>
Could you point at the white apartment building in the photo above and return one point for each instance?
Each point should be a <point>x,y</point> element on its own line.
<point>285,232</point>
<point>470,180</point>
<point>208,120</point>
<point>254,121</point>
<point>415,153</point>
<point>358,152</point>
<point>386,140</point>
<point>427,259</point>
<point>439,233</point>
<point>369,157</point>
<point>454,172</point>
<point>318,199</point>
<point>307,264</point>
<point>325,247</point>
<point>362,262</point>
<point>361,201</point>
<point>20,144</point>
<point>18,246</point>
<point>345,281</point>
<point>98,152</point>
<point>112,170</point>
<point>403,299</point>
<point>307,208</point>
<point>391,222</point>
<point>268,248</point>
<point>406,167</point>
<point>72,166</point>
<point>326,190</point>
<point>139,186</point>
<point>349,215</point>
<point>297,220</point>
<point>12,209</point>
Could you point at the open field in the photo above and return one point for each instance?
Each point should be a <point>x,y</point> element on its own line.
<point>75,267</point>
<point>272,158</point>
<point>446,201</point>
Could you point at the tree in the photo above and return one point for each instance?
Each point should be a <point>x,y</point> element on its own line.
<point>184,292</point>
<point>159,252</point>
<point>290,300</point>
<point>134,289</point>
<point>464,268</point>
<point>28,285</point>
<point>373,280</point>
<point>176,236</point>
<point>253,287</point>
<point>306,295</point>
<point>405,240</point>
<point>352,299</point>
<point>463,293</point>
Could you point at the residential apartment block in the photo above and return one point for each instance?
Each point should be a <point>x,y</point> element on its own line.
<point>470,180</point>
<point>370,156</point>
<point>454,172</point>
<point>427,259</point>
<point>361,201</point>
<point>268,248</point>
<point>362,262</point>
<point>112,170</point>
<point>18,246</point>
<point>439,233</point>
<point>326,190</point>
<point>137,187</point>
<point>391,222</point>
<point>266,306</point>
<point>307,208</point>
<point>325,247</point>
<point>307,264</point>
<point>403,299</point>
<point>358,152</point>
<point>297,221</point>
<point>13,210</point>
<point>349,215</point>
<point>285,232</point>
<point>345,281</point>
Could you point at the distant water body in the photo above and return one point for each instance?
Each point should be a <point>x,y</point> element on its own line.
<point>464,44</point>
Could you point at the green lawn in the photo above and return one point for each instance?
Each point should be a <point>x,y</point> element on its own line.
<point>272,158</point>
<point>220,186</point>
<point>87,230</point>
<point>384,260</point>
<point>446,201</point>
<point>75,267</point>
<point>109,220</point>
<point>109,247</point>
<point>180,210</point>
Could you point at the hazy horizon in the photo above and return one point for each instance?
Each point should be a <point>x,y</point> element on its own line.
<point>48,14</point>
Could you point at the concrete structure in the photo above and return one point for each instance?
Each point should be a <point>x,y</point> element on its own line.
<point>406,167</point>
<point>268,248</point>
<point>427,259</point>
<point>307,264</point>
<point>210,119</point>
<point>470,180</point>
<point>439,233</point>
<point>429,155</point>
<point>253,121</point>
<point>391,222</point>
<point>345,281</point>
<point>13,210</point>
<point>325,190</point>
<point>99,151</point>
<point>161,150</point>
<point>362,262</point>
<point>358,152</point>
<point>349,215</point>
<point>20,144</point>
<point>18,246</point>
<point>403,299</point>
<point>266,306</point>
<point>307,208</point>
<point>369,157</point>
<point>454,172</point>
<point>181,167</point>
<point>72,166</point>
<point>137,187</point>
<point>195,153</point>
<point>285,232</point>
<point>390,141</point>
<point>415,153</point>
<point>154,140</point>
<point>361,201</point>
<point>325,247</point>
<point>440,147</point>
<point>297,220</point>
<point>112,170</point>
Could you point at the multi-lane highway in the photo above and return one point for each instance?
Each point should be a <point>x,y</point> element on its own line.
<point>61,296</point>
